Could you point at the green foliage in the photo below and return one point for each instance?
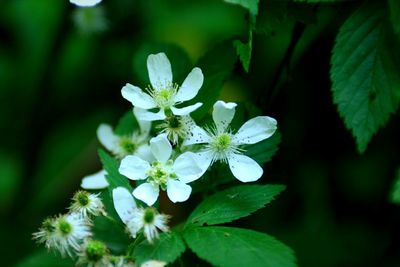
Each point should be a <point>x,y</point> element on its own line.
<point>395,194</point>
<point>42,258</point>
<point>217,65</point>
<point>114,178</point>
<point>233,203</point>
<point>364,72</point>
<point>244,51</point>
<point>167,248</point>
<point>230,247</point>
<point>127,124</point>
<point>263,151</point>
<point>394,6</point>
<point>251,5</point>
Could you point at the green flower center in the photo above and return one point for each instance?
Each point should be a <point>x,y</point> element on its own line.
<point>95,250</point>
<point>149,216</point>
<point>64,226</point>
<point>82,198</point>
<point>173,122</point>
<point>159,174</point>
<point>165,97</point>
<point>222,142</point>
<point>127,145</point>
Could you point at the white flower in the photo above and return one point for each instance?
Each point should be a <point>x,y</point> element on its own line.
<point>87,204</point>
<point>177,127</point>
<point>65,233</point>
<point>136,218</point>
<point>133,144</point>
<point>163,93</point>
<point>85,3</point>
<point>170,175</point>
<point>95,181</point>
<point>221,144</point>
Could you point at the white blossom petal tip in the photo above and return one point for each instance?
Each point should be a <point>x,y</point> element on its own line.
<point>106,136</point>
<point>137,97</point>
<point>161,147</point>
<point>191,86</point>
<point>178,191</point>
<point>160,72</point>
<point>95,181</point>
<point>85,3</point>
<point>124,203</point>
<point>134,168</point>
<point>245,169</point>
<point>147,193</point>
<point>256,130</point>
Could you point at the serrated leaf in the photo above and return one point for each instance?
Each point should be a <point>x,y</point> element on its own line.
<point>111,166</point>
<point>231,247</point>
<point>263,151</point>
<point>233,203</point>
<point>127,124</point>
<point>365,73</point>
<point>251,5</point>
<point>167,248</point>
<point>217,65</point>
<point>43,258</point>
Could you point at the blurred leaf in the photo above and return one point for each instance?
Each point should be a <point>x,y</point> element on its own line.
<point>395,194</point>
<point>230,247</point>
<point>10,178</point>
<point>322,1</point>
<point>111,166</point>
<point>43,258</point>
<point>112,233</point>
<point>127,124</point>
<point>217,65</point>
<point>394,6</point>
<point>263,151</point>
<point>365,68</point>
<point>233,203</point>
<point>167,248</point>
<point>179,59</point>
<point>251,5</point>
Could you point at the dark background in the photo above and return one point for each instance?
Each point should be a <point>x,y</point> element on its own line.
<point>61,72</point>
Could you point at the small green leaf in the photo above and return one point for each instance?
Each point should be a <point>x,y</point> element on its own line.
<point>111,166</point>
<point>263,151</point>
<point>251,5</point>
<point>167,248</point>
<point>234,203</point>
<point>231,247</point>
<point>365,68</point>
<point>244,51</point>
<point>217,65</point>
<point>395,194</point>
<point>127,124</point>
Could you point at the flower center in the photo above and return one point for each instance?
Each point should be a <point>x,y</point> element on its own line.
<point>95,250</point>
<point>164,97</point>
<point>82,198</point>
<point>127,145</point>
<point>159,173</point>
<point>221,142</point>
<point>64,226</point>
<point>48,225</point>
<point>149,216</point>
<point>173,122</point>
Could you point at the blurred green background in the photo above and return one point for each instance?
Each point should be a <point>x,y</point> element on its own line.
<point>61,71</point>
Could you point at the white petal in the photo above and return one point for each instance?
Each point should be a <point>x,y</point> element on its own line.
<point>85,2</point>
<point>223,114</point>
<point>187,167</point>
<point>160,72</point>
<point>95,181</point>
<point>244,168</point>
<point>178,191</point>
<point>124,203</point>
<point>137,97</point>
<point>147,193</point>
<point>144,152</point>
<point>145,126</point>
<point>205,159</point>
<point>146,115</point>
<point>197,135</point>
<point>190,86</point>
<point>256,130</point>
<point>107,138</point>
<point>186,110</point>
<point>153,263</point>
<point>161,148</point>
<point>134,167</point>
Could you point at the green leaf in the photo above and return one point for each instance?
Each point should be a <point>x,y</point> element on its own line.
<point>233,203</point>
<point>111,166</point>
<point>217,65</point>
<point>244,51</point>
<point>127,124</point>
<point>251,5</point>
<point>394,6</point>
<point>231,247</point>
<point>263,151</point>
<point>395,194</point>
<point>365,68</point>
<point>43,258</point>
<point>167,248</point>
<point>322,1</point>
